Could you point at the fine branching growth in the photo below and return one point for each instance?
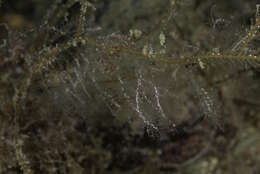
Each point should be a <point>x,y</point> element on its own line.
<point>70,70</point>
